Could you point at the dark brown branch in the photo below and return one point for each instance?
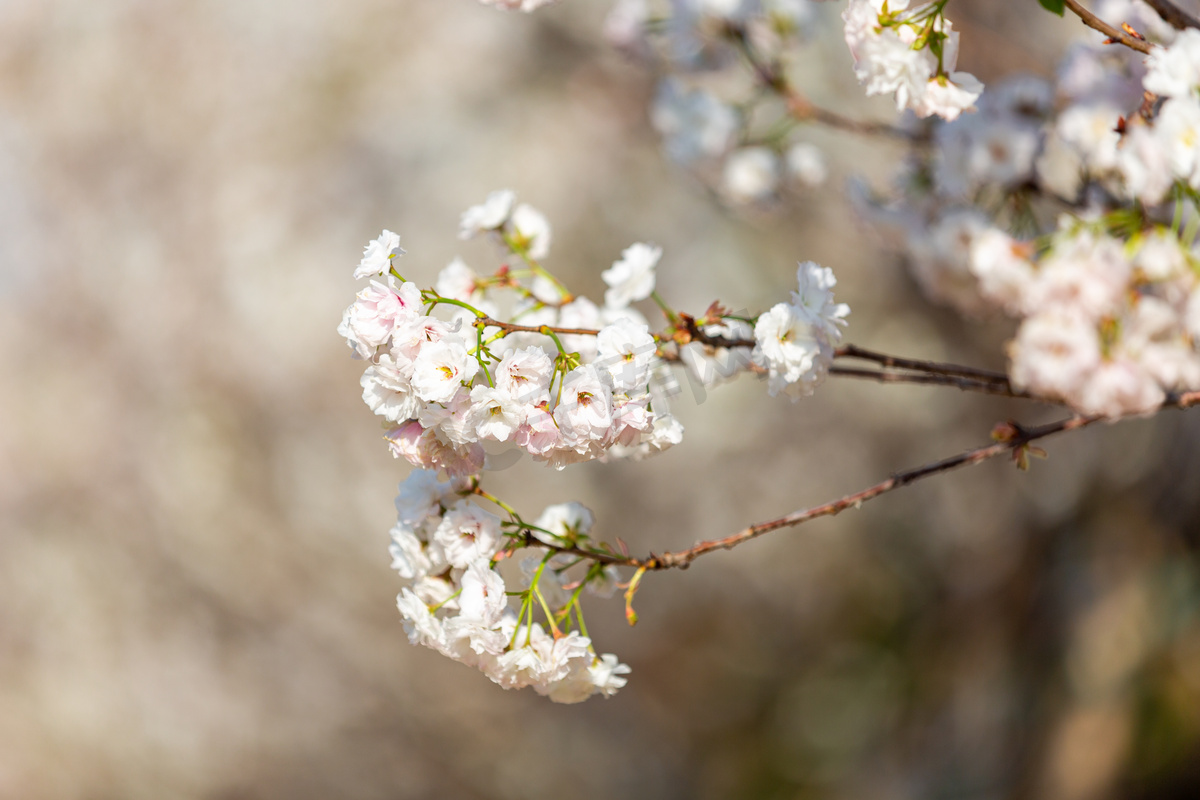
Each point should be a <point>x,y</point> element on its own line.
<point>1001,388</point>
<point>930,367</point>
<point>1173,15</point>
<point>1114,34</point>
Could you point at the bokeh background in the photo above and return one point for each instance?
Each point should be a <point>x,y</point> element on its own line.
<point>195,599</point>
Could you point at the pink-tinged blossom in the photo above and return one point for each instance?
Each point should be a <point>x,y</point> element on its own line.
<point>421,496</point>
<point>624,351</point>
<point>1144,165</point>
<point>539,435</point>
<point>416,444</point>
<point>376,313</point>
<point>792,350</point>
<point>1191,315</point>
<point>1091,131</point>
<point>408,553</point>
<point>630,419</point>
<point>666,432</point>
<point>422,448</point>
<point>1175,71</point>
<point>607,674</point>
<point>579,313</point>
<point>751,174</point>
<point>1160,257</point>
<point>1002,266</point>
<point>414,334</point>
<point>807,163</point>
<point>494,414</point>
<point>489,215</point>
<point>451,418</point>
<point>468,534</point>
<point>948,96</point>
<point>525,375</point>
<point>518,5</point>
<point>456,281</point>
<point>421,626</point>
<point>694,123</point>
<point>1054,353</point>
<point>713,366</point>
<point>532,229</point>
<point>584,410</point>
<point>1177,129</point>
<point>378,255</point>
<point>1153,335</point>
<point>387,392</point>
<point>1117,388</point>
<point>440,368</point>
<point>482,600</point>
<point>1085,273</point>
<point>632,277</point>
<point>886,63</point>
<point>940,257</point>
<point>815,296</point>
<point>434,591</point>
<point>564,523</point>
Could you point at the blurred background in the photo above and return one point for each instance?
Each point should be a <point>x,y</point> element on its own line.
<point>195,598</point>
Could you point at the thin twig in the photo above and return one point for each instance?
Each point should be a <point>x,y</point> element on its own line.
<point>1114,34</point>
<point>1003,389</point>
<point>800,107</point>
<point>1173,15</point>
<point>508,327</point>
<point>929,367</point>
<point>1015,441</point>
<point>1018,439</point>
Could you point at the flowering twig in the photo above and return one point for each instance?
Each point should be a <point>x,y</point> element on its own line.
<point>1173,15</point>
<point>1114,34</point>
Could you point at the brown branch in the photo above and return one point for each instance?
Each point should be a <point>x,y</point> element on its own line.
<point>508,327</point>
<point>800,107</point>
<point>1011,438</point>
<point>929,367</point>
<point>1114,34</point>
<point>1003,389</point>
<point>1020,438</point>
<point>1173,15</point>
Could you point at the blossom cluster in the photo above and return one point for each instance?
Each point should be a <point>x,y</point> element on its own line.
<point>516,359</point>
<point>711,118</point>
<point>566,380</point>
<point>910,53</point>
<point>458,603</point>
<point>1073,207</point>
<point>448,386</point>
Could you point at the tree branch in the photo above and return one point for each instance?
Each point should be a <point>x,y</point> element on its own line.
<point>1012,438</point>
<point>800,107</point>
<point>1173,15</point>
<point>1114,34</point>
<point>1001,388</point>
<point>930,367</point>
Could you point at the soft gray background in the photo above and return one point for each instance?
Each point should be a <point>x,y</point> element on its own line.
<point>195,598</point>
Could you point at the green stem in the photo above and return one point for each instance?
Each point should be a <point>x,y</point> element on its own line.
<point>666,309</point>
<point>436,608</point>
<point>520,250</point>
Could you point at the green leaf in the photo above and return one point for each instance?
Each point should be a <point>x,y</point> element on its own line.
<point>1053,6</point>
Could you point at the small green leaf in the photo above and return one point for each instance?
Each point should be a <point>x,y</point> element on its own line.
<point>1053,6</point>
